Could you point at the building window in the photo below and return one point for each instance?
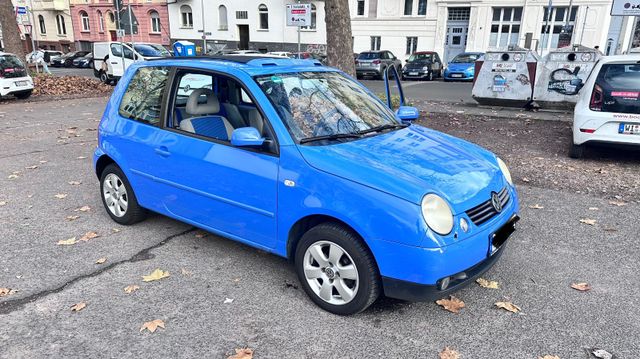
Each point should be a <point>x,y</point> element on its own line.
<point>263,12</point>
<point>412,45</point>
<point>100,21</point>
<point>314,18</point>
<point>242,15</point>
<point>557,33</point>
<point>505,26</point>
<point>84,19</point>
<point>112,18</point>
<point>222,18</point>
<point>360,9</point>
<point>422,7</point>
<point>62,28</point>
<point>459,14</point>
<point>408,7</point>
<point>186,16</point>
<point>155,21</point>
<point>375,43</point>
<point>43,27</point>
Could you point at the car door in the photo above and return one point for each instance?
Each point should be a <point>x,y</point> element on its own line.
<point>210,183</point>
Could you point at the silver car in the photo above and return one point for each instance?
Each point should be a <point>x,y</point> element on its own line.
<point>374,63</point>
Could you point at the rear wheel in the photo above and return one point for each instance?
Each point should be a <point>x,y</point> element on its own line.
<point>104,77</point>
<point>118,197</point>
<point>23,95</point>
<point>336,270</point>
<point>576,151</point>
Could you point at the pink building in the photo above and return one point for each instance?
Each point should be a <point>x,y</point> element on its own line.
<point>95,20</point>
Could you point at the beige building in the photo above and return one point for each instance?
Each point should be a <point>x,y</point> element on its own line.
<point>48,22</point>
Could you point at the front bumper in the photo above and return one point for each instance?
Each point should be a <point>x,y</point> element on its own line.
<point>416,292</point>
<point>458,75</point>
<point>415,74</point>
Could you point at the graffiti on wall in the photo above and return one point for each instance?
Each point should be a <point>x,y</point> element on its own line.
<point>565,81</point>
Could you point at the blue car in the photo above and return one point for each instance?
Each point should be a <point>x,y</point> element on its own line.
<point>302,161</point>
<point>462,67</point>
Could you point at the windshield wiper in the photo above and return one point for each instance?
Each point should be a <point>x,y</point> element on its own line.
<point>388,126</point>
<point>335,136</point>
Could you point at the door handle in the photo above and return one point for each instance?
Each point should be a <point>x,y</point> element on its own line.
<point>163,151</point>
<point>114,63</point>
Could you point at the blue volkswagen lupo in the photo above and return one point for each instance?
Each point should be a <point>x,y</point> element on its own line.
<point>302,161</point>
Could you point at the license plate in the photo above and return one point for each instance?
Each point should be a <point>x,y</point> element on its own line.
<point>629,129</point>
<point>21,83</point>
<point>498,239</point>
<point>456,75</point>
<point>413,74</point>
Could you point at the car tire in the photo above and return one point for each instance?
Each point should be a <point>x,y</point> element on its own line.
<point>353,292</point>
<point>576,151</point>
<point>104,78</point>
<point>23,95</point>
<point>114,186</point>
<point>430,76</point>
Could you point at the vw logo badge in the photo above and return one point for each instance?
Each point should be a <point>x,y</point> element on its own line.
<point>495,202</point>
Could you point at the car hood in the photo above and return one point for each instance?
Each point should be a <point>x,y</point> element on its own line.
<point>412,162</point>
<point>417,64</point>
<point>459,66</point>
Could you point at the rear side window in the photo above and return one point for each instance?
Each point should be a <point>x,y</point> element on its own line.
<point>143,99</point>
<point>617,89</point>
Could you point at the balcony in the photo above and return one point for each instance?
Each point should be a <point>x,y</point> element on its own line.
<point>56,5</point>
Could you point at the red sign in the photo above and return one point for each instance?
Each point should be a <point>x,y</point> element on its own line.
<point>625,94</point>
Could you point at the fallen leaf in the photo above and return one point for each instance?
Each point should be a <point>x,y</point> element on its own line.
<point>244,353</point>
<point>152,325</point>
<point>61,195</point>
<point>186,272</point>
<point>618,203</point>
<point>81,157</point>
<point>155,275</point>
<point>487,283</point>
<point>601,353</point>
<point>3,203</point>
<point>549,357</point>
<point>131,288</point>
<point>82,209</point>
<point>583,287</point>
<point>115,230</point>
<point>32,167</point>
<point>43,161</point>
<point>101,260</point>
<point>453,304</point>
<point>591,222</point>
<point>74,183</point>
<point>536,206</point>
<point>12,176</point>
<point>72,218</point>
<point>78,307</point>
<point>88,236</point>
<point>608,229</point>
<point>593,208</point>
<point>67,242</point>
<point>448,353</point>
<point>228,301</point>
<point>201,234</point>
<point>525,179</point>
<point>7,292</point>
<point>508,306</point>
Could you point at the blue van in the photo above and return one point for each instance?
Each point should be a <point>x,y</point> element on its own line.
<point>302,161</point>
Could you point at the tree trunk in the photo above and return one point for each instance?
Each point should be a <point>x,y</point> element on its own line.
<point>10,31</point>
<point>339,41</point>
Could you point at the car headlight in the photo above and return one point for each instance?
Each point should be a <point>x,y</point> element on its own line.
<point>427,68</point>
<point>437,214</point>
<point>505,171</point>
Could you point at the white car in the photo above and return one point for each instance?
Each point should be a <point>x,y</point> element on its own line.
<point>281,53</point>
<point>608,108</point>
<point>14,77</point>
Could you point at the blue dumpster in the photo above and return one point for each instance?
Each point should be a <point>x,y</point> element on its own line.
<point>184,48</point>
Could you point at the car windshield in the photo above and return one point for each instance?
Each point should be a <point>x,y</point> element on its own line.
<point>465,58</point>
<point>369,56</point>
<point>314,104</point>
<point>151,51</point>
<point>420,58</point>
<point>10,62</point>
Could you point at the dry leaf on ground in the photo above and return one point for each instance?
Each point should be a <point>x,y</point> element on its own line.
<point>525,179</point>
<point>601,353</point>
<point>201,234</point>
<point>67,242</point>
<point>78,307</point>
<point>43,161</point>
<point>508,306</point>
<point>72,218</point>
<point>89,236</point>
<point>591,222</point>
<point>13,176</point>
<point>7,292</point>
<point>81,157</point>
<point>583,287</point>
<point>155,275</point>
<point>115,230</point>
<point>101,260</point>
<point>549,357</point>
<point>593,208</point>
<point>487,283</point>
<point>131,288</point>
<point>3,203</point>
<point>536,206</point>
<point>228,301</point>
<point>453,304</point>
<point>82,209</point>
<point>74,183</point>
<point>32,167</point>
<point>186,272</point>
<point>61,195</point>
<point>244,353</point>
<point>448,353</point>
<point>618,203</point>
<point>152,325</point>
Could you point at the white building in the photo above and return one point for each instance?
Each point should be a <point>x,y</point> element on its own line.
<point>244,24</point>
<point>453,26</point>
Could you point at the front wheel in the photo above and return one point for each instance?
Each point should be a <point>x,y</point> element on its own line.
<point>118,197</point>
<point>430,76</point>
<point>336,270</point>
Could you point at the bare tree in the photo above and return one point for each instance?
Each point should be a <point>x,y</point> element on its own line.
<point>10,32</point>
<point>339,41</point>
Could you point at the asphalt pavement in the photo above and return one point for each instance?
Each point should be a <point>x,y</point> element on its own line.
<point>46,151</point>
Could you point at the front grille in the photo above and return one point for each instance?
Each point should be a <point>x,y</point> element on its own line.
<point>485,211</point>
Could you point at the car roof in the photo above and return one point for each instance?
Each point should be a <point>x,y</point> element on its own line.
<point>621,58</point>
<point>250,64</point>
<point>424,52</point>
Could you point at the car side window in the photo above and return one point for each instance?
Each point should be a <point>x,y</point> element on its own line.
<point>142,101</point>
<point>116,50</point>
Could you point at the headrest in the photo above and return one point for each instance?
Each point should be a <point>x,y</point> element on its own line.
<point>210,107</point>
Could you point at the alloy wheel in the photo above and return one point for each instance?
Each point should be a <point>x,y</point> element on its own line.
<point>331,272</point>
<point>115,195</point>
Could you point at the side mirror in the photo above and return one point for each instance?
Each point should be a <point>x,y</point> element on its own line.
<point>408,113</point>
<point>246,136</point>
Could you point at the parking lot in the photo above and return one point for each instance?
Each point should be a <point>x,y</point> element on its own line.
<point>221,295</point>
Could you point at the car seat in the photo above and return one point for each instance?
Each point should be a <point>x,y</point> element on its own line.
<point>204,118</point>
